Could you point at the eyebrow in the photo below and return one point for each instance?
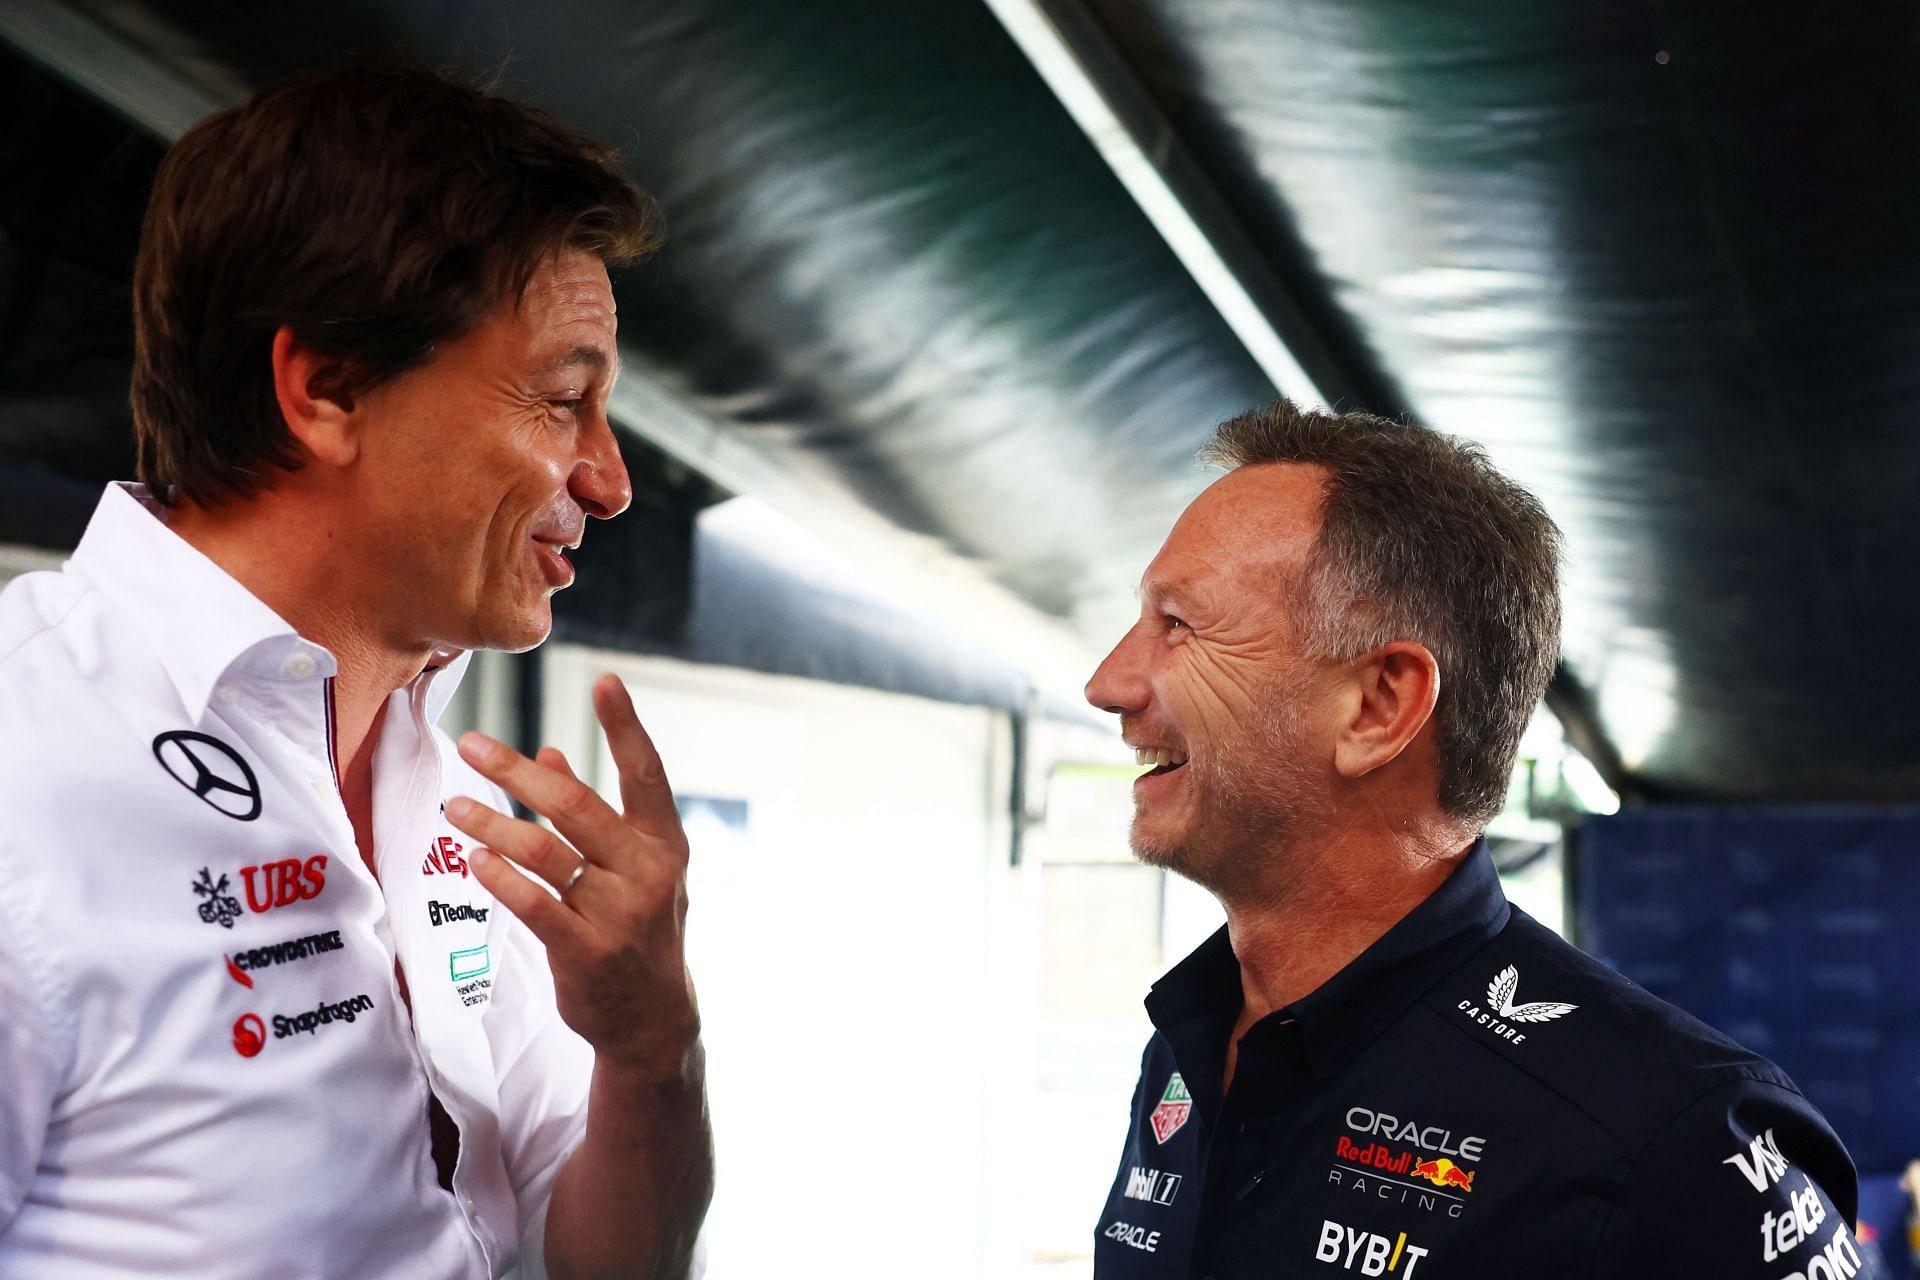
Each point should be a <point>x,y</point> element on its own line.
<point>586,354</point>
<point>1175,591</point>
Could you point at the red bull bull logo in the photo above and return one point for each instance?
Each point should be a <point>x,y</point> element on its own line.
<point>1443,1173</point>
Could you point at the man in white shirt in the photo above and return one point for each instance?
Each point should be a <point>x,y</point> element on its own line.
<point>284,990</point>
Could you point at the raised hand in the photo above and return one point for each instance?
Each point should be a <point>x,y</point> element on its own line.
<point>614,922</point>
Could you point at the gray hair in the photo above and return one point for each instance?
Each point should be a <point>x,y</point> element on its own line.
<point>1422,539</point>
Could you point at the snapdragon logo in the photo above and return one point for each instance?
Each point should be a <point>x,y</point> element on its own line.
<point>326,1015</point>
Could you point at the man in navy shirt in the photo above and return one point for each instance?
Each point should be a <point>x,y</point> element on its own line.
<point>1379,1067</point>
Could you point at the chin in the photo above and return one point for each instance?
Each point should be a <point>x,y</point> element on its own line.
<point>514,633</point>
<point>1156,849</point>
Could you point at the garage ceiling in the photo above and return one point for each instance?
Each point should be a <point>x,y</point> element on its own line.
<point>1657,257</point>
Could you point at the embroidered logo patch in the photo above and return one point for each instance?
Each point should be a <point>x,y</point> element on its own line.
<point>1176,1104</point>
<point>211,770</point>
<point>1503,1016</point>
<point>1444,1173</point>
<point>1503,988</point>
<point>443,858</point>
<point>249,1035</point>
<point>470,963</point>
<point>220,907</point>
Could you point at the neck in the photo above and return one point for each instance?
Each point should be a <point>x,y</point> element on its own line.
<point>1344,890</point>
<point>301,568</point>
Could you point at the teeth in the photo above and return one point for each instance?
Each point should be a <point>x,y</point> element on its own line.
<point>1155,758</point>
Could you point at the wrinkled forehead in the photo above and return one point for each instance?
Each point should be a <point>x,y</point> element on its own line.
<point>1257,521</point>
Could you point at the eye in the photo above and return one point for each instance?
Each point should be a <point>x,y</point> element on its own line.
<point>1175,624</point>
<point>566,408</point>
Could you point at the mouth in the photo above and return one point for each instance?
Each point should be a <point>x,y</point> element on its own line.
<point>1161,761</point>
<point>554,564</point>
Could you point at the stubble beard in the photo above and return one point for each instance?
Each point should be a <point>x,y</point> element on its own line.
<point>1251,802</point>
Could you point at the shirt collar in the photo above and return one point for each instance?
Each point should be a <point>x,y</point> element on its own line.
<point>199,621</point>
<point>1347,1011</point>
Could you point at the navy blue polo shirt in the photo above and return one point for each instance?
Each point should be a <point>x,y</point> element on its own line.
<point>1471,1098</point>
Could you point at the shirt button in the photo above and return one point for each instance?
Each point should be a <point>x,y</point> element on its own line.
<point>300,666</point>
<point>227,695</point>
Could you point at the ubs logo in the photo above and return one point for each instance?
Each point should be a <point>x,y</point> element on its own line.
<point>211,770</point>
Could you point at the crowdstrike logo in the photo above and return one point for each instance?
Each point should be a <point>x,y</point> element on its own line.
<point>211,770</point>
<point>241,963</point>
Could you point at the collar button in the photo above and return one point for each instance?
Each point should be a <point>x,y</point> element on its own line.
<point>300,666</point>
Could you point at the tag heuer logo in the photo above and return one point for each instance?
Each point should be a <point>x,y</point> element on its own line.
<point>1176,1104</point>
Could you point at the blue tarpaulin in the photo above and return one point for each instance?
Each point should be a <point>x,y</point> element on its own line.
<point>1795,931</point>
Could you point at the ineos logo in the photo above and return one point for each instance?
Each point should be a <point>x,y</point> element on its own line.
<point>211,770</point>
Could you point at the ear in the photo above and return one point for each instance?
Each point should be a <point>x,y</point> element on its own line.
<point>311,388</point>
<point>1391,700</point>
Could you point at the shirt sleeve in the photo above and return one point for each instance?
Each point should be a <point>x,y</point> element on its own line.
<point>30,1072</point>
<point>1749,1181</point>
<point>543,1079</point>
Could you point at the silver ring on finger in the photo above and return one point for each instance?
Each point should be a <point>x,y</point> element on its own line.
<point>573,879</point>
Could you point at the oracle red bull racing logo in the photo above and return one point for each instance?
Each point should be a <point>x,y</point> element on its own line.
<point>1377,1170</point>
<point>1176,1104</point>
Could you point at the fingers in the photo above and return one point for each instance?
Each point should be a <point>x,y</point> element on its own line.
<point>554,759</point>
<point>549,920</point>
<point>644,791</point>
<point>528,844</point>
<point>577,813</point>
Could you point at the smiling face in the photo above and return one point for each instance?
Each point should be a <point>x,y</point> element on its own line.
<point>479,469</point>
<point>1212,684</point>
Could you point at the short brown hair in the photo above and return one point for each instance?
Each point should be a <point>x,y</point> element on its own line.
<point>1421,539</point>
<point>378,210</point>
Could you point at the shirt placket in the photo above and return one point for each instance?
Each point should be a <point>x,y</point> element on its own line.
<point>396,829</point>
<point>398,840</point>
<point>1271,1077</point>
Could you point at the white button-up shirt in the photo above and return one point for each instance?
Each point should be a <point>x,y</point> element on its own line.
<point>207,1068</point>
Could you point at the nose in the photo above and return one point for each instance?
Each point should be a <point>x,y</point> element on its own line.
<point>1119,683</point>
<point>599,480</point>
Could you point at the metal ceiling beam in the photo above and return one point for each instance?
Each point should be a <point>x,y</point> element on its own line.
<point>1093,81</point>
<point>106,65</point>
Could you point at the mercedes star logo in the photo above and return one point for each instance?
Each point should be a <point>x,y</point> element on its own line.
<point>211,770</point>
